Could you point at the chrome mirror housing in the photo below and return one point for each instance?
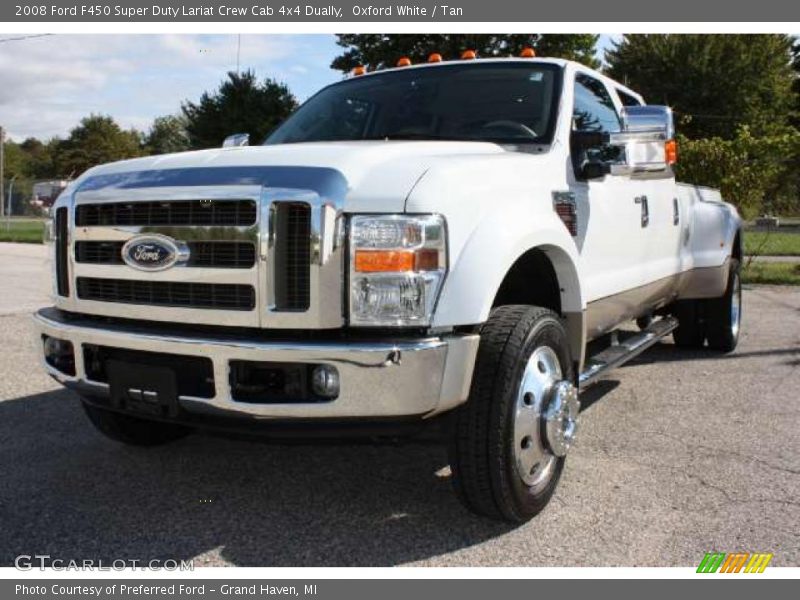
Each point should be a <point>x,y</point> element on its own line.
<point>237,139</point>
<point>648,137</point>
<point>644,118</point>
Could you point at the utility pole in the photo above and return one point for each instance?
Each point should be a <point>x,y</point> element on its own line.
<point>238,51</point>
<point>10,200</point>
<point>2,167</point>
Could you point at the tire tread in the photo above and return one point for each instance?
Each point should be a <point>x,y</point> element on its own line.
<point>477,442</point>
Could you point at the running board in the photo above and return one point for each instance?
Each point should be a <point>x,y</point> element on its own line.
<point>618,354</point>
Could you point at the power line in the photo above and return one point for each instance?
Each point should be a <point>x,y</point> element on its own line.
<point>24,37</point>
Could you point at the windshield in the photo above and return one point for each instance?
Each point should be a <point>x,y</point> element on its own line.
<point>497,102</point>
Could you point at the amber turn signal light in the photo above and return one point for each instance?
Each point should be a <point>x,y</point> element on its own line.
<point>396,261</point>
<point>671,151</point>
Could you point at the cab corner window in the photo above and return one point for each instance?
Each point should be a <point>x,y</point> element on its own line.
<point>594,109</point>
<point>628,100</point>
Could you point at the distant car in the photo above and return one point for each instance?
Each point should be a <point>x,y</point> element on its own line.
<point>429,244</point>
<point>45,193</point>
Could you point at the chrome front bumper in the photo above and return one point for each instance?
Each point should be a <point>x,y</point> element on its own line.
<point>379,379</point>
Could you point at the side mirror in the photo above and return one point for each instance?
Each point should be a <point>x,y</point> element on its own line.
<point>583,141</point>
<point>237,139</point>
<point>595,169</point>
<point>649,118</point>
<point>645,146</point>
<point>648,137</point>
<point>592,154</point>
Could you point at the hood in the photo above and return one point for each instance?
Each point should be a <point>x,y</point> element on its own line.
<point>372,176</point>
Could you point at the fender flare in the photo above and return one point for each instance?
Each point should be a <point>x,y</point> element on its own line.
<point>484,261</point>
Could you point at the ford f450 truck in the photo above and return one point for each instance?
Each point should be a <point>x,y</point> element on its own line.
<point>428,244</point>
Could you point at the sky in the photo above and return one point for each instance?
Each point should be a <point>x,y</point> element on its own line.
<point>47,84</point>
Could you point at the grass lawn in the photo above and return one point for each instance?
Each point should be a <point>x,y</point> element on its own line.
<point>22,230</point>
<point>777,244</point>
<point>776,273</point>
<point>771,243</point>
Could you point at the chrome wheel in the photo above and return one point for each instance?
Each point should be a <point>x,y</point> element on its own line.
<point>545,419</point>
<point>507,441</point>
<point>736,305</point>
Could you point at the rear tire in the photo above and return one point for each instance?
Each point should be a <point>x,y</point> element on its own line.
<point>503,463</point>
<point>691,330</point>
<point>724,314</point>
<point>132,430</point>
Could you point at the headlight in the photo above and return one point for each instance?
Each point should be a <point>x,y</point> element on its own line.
<point>397,266</point>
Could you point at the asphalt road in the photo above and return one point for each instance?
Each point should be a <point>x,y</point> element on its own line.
<point>680,453</point>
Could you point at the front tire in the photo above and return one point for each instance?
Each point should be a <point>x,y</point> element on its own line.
<point>509,440</point>
<point>132,430</point>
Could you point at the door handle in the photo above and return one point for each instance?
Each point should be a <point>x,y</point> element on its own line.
<point>676,212</point>
<point>642,201</point>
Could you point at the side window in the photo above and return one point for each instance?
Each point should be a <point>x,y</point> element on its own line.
<point>594,109</point>
<point>627,99</point>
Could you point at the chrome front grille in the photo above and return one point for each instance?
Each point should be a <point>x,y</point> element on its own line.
<point>194,213</point>
<point>62,251</point>
<point>216,254</point>
<point>292,256</point>
<point>257,257</point>
<point>167,293</point>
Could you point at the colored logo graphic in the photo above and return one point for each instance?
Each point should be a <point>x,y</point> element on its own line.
<point>153,252</point>
<point>737,562</point>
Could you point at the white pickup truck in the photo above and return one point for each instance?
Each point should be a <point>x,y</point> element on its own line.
<point>432,245</point>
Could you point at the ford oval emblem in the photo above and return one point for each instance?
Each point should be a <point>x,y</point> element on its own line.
<point>153,252</point>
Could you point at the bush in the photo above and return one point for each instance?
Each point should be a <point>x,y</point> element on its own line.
<point>750,171</point>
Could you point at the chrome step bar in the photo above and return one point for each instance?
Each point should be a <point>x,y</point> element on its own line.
<point>619,353</point>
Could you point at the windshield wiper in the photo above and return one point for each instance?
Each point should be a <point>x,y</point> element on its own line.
<point>401,135</point>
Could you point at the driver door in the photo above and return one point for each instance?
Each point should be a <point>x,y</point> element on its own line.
<point>613,210</point>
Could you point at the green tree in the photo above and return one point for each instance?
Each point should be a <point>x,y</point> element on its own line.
<point>16,160</point>
<point>378,51</point>
<point>167,134</point>
<point>715,83</point>
<point>796,83</point>
<point>40,157</point>
<point>240,105</point>
<point>18,167</point>
<point>754,173</point>
<point>789,202</point>
<point>97,140</point>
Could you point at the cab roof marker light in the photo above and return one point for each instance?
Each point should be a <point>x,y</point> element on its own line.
<point>404,62</point>
<point>528,53</point>
<point>435,58</point>
<point>359,70</point>
<point>469,55</point>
